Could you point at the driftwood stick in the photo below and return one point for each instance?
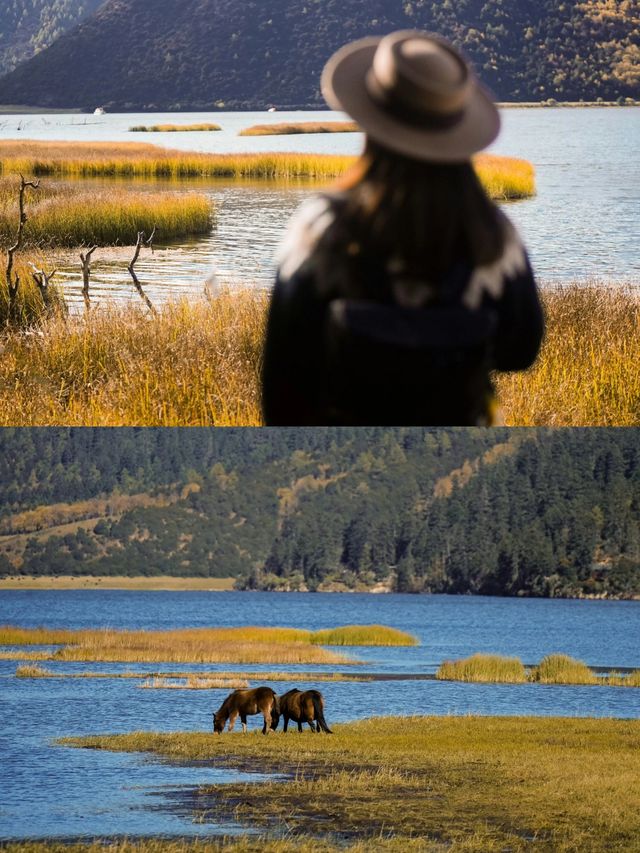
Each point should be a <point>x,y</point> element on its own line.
<point>139,244</point>
<point>86,273</point>
<point>13,280</point>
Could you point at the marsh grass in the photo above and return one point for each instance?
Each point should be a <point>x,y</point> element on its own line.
<point>287,128</point>
<point>562,669</point>
<point>346,635</point>
<point>477,783</point>
<point>504,177</point>
<point>72,215</point>
<point>174,128</point>
<point>553,669</point>
<point>33,671</point>
<point>194,682</point>
<point>169,677</point>
<point>30,308</point>
<point>198,363</point>
<point>481,667</point>
<point>363,635</point>
<point>195,363</point>
<point>203,645</point>
<point>587,372</point>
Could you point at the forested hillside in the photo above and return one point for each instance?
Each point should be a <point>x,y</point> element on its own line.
<point>29,26</point>
<point>198,54</point>
<point>533,512</point>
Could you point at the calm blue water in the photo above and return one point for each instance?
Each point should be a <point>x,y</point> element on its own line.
<point>53,791</point>
<point>583,224</point>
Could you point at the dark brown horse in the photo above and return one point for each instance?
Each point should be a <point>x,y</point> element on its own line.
<point>244,703</point>
<point>302,707</point>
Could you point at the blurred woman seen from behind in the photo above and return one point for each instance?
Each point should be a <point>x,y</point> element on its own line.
<point>401,290</point>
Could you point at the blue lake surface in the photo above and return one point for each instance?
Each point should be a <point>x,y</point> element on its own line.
<point>583,224</point>
<point>52,791</point>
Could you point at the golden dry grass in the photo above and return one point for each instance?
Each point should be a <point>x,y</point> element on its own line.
<point>33,671</point>
<point>504,177</point>
<point>287,128</point>
<point>562,669</point>
<point>587,372</point>
<point>197,645</point>
<point>205,644</point>
<point>473,783</point>
<point>251,677</point>
<point>30,307</point>
<point>72,215</point>
<point>199,363</point>
<point>175,128</point>
<point>194,682</point>
<point>196,363</point>
<point>552,669</point>
<point>482,667</point>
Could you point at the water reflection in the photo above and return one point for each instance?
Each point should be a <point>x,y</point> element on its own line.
<point>580,225</point>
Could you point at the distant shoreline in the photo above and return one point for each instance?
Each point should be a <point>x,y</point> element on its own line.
<point>18,109</point>
<point>158,583</point>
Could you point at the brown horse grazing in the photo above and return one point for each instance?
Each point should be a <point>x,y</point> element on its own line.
<point>244,703</point>
<point>302,707</point>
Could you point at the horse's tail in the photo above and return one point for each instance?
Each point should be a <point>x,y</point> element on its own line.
<point>319,714</point>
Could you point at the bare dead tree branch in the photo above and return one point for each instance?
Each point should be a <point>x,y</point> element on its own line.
<point>86,273</point>
<point>13,280</point>
<point>42,280</point>
<point>139,244</point>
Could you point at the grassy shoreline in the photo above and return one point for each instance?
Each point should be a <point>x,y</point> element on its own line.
<point>484,783</point>
<point>199,363</point>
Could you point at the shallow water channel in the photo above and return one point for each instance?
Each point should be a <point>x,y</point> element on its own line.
<point>54,791</point>
<point>583,224</point>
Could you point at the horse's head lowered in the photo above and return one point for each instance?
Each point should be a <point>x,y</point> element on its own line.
<point>218,722</point>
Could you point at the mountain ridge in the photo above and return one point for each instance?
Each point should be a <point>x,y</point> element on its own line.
<point>214,54</point>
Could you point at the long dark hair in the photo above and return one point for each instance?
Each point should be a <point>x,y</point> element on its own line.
<point>425,216</point>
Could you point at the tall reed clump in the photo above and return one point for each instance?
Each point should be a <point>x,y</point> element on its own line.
<point>108,217</point>
<point>587,371</point>
<point>562,669</point>
<point>504,177</point>
<point>482,667</point>
<point>205,127</point>
<point>363,635</point>
<point>287,128</point>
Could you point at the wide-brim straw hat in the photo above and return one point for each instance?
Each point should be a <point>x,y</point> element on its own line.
<point>412,92</point>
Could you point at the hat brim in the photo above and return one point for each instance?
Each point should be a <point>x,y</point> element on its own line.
<point>344,88</point>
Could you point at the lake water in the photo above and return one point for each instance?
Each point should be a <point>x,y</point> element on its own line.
<point>583,224</point>
<point>51,791</point>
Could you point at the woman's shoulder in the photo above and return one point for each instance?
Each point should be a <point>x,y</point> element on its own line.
<point>305,231</point>
<point>492,279</point>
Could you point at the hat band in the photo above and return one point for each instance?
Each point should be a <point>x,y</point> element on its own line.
<point>408,114</point>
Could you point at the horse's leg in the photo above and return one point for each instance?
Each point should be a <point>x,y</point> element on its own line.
<point>232,720</point>
<point>299,725</point>
<point>243,720</point>
<point>286,723</point>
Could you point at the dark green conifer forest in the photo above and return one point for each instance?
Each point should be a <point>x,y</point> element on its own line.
<point>494,512</point>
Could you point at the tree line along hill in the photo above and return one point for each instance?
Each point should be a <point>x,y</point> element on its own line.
<point>29,26</point>
<point>497,512</point>
<point>207,54</point>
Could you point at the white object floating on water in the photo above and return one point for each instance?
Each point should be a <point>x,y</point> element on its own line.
<point>271,110</point>
<point>99,111</point>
